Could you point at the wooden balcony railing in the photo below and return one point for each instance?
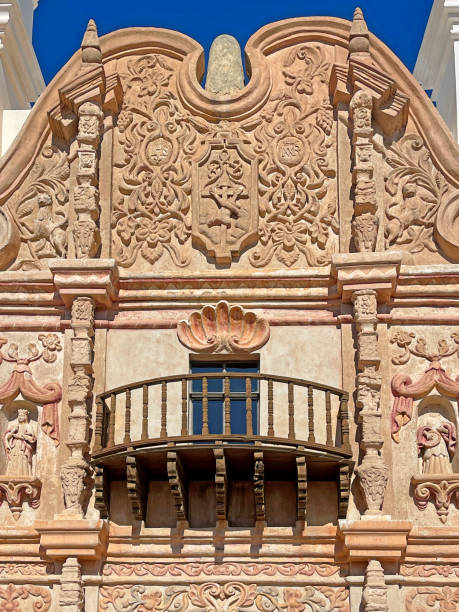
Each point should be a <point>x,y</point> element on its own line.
<point>281,403</point>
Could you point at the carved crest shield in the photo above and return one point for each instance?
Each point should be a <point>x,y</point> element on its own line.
<point>225,200</point>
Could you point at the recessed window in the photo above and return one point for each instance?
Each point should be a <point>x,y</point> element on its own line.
<point>207,396</point>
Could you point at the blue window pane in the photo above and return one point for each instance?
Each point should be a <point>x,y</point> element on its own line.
<point>237,385</point>
<point>213,385</point>
<point>238,417</point>
<point>197,417</point>
<point>215,409</point>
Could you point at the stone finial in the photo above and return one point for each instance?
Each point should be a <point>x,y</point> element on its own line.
<point>225,74</point>
<point>90,46</point>
<point>359,35</point>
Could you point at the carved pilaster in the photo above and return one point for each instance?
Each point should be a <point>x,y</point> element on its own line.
<point>365,221</point>
<point>375,589</point>
<point>373,474</point>
<point>86,196</point>
<point>71,598</point>
<point>75,469</point>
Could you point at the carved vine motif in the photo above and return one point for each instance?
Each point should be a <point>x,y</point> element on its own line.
<point>220,569</point>
<point>292,138</point>
<point>415,189</point>
<point>404,340</point>
<point>12,595</point>
<point>25,569</point>
<point>441,599</point>
<point>425,571</point>
<point>151,214</point>
<point>229,597</point>
<point>40,210</point>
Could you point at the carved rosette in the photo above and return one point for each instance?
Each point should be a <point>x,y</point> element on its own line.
<point>225,200</point>
<point>75,469</point>
<point>223,328</point>
<point>372,473</point>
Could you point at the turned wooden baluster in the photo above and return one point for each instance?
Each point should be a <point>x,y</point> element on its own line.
<point>270,408</point>
<point>311,436</point>
<point>291,412</point>
<point>248,406</point>
<point>184,431</point>
<point>98,429</point>
<point>144,435</point>
<point>205,407</point>
<point>127,418</point>
<point>328,418</point>
<point>344,418</point>
<point>111,421</point>
<point>227,405</point>
<point>163,432</point>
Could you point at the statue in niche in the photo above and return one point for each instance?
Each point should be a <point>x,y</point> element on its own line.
<point>436,439</point>
<point>20,440</point>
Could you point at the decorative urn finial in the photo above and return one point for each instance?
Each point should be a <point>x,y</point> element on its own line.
<point>90,47</point>
<point>359,36</point>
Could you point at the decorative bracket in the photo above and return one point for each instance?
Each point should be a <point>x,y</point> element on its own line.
<point>17,490</point>
<point>438,487</point>
<point>136,487</point>
<point>221,488</point>
<point>177,485</point>
<point>259,487</point>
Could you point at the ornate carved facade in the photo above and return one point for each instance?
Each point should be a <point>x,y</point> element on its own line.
<point>229,364</point>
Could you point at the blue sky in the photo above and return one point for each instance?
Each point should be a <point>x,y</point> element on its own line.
<point>59,24</point>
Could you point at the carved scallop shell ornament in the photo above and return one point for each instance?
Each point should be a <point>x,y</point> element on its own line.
<point>223,328</point>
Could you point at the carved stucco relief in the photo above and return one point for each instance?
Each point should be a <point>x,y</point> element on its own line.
<point>231,597</point>
<point>263,182</point>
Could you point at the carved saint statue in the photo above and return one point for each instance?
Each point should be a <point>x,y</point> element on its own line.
<point>436,438</point>
<point>20,441</point>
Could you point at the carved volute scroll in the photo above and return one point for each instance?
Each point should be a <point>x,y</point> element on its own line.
<point>223,328</point>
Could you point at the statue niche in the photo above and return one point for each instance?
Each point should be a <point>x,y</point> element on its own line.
<point>436,440</point>
<point>20,442</point>
<point>436,437</point>
<point>18,482</point>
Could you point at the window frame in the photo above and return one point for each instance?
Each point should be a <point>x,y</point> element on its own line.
<point>224,362</point>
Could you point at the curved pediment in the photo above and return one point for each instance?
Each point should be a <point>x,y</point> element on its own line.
<point>332,146</point>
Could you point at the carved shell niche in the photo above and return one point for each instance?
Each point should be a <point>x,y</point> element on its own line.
<point>223,328</point>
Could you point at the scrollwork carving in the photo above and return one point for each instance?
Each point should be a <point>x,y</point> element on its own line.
<point>293,137</point>
<point>11,595</point>
<point>231,597</point>
<point>40,210</point>
<point>415,191</point>
<point>443,599</point>
<point>151,214</point>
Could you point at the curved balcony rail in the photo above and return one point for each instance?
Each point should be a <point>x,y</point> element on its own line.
<point>270,408</point>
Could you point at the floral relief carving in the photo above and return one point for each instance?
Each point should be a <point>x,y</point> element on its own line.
<point>440,599</point>
<point>228,597</point>
<point>292,139</point>
<point>40,210</point>
<point>223,328</point>
<point>12,597</point>
<point>415,191</point>
<point>152,209</point>
<point>25,569</point>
